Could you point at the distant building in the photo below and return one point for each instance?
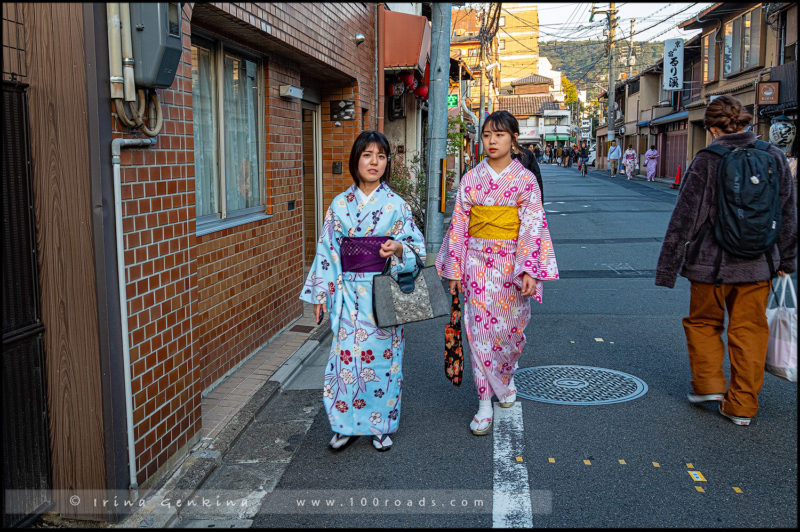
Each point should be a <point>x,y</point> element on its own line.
<point>518,41</point>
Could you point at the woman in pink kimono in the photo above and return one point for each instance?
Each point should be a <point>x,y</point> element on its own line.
<point>651,160</point>
<point>630,160</point>
<point>496,252</point>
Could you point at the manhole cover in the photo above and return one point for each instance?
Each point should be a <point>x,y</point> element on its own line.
<point>577,385</point>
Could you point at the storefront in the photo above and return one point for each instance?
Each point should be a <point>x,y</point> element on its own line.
<point>671,137</point>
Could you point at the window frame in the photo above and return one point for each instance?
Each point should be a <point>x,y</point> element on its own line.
<point>501,44</point>
<point>709,42</point>
<point>738,24</point>
<point>224,219</point>
<point>502,22</point>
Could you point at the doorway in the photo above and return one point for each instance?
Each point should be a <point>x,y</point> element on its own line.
<point>312,182</point>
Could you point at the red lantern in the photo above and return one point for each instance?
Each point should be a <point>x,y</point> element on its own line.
<point>408,80</point>
<point>426,79</point>
<point>421,92</point>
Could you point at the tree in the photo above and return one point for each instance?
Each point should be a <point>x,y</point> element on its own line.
<point>570,92</point>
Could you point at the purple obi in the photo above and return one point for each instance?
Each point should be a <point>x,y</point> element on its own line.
<point>360,254</point>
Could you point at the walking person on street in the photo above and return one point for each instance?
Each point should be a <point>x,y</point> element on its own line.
<point>630,161</point>
<point>651,158</point>
<point>614,155</point>
<point>558,155</point>
<point>720,278</point>
<point>496,252</point>
<point>365,226</point>
<point>583,156</point>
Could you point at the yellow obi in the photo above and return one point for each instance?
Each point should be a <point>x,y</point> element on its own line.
<point>494,222</point>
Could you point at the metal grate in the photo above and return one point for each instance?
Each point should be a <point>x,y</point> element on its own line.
<point>577,385</point>
<point>14,66</point>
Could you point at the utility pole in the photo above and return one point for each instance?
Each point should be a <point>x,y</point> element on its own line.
<point>488,29</point>
<point>611,14</point>
<point>482,63</point>
<point>630,51</point>
<point>437,127</point>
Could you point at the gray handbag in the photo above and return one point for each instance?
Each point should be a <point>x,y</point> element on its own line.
<point>410,298</point>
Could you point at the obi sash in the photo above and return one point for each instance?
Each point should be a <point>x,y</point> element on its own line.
<point>360,254</point>
<point>494,222</point>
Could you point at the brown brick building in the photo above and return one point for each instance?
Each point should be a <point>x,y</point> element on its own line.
<point>219,218</point>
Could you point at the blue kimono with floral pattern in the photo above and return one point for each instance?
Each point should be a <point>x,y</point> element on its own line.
<point>363,377</point>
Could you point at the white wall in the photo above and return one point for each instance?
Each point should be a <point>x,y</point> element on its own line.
<point>409,8</point>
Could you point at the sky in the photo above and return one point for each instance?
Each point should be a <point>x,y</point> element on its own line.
<point>570,21</point>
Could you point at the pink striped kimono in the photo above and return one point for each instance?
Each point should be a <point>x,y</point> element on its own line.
<point>495,314</point>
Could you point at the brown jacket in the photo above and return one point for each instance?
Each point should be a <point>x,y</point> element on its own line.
<point>692,252</point>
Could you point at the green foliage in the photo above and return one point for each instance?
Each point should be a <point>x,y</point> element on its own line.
<point>408,180</point>
<point>574,58</point>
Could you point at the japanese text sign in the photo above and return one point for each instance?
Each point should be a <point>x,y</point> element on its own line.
<point>673,64</point>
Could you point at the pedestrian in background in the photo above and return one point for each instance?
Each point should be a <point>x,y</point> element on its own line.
<point>537,152</point>
<point>365,226</point>
<point>547,152</point>
<point>558,155</point>
<point>630,161</point>
<point>614,155</point>
<point>721,281</point>
<point>496,252</point>
<point>651,160</point>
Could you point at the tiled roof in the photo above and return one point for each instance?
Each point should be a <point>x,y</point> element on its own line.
<point>533,79</point>
<point>526,104</point>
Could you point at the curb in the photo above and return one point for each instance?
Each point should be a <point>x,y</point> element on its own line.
<point>199,464</point>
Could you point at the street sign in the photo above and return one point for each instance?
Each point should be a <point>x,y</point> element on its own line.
<point>452,100</point>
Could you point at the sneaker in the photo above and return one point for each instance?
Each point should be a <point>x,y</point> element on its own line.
<point>743,421</point>
<point>702,398</point>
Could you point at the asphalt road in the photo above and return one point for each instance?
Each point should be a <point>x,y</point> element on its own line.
<point>625,464</point>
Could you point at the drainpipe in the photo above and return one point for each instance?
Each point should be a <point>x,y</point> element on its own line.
<point>116,147</point>
<point>127,52</point>
<point>381,80</point>
<point>114,52</point>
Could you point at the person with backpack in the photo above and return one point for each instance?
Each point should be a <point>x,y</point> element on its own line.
<point>732,230</point>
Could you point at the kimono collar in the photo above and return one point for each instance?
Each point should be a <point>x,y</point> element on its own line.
<point>515,166</point>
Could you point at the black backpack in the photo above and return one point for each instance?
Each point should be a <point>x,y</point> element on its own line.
<point>748,202</point>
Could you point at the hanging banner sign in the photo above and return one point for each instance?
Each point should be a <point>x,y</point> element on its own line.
<point>673,64</point>
<point>452,100</point>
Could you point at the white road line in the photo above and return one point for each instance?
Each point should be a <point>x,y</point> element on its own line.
<point>511,504</point>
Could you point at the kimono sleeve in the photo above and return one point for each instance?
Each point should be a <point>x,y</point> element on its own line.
<point>452,254</point>
<point>326,270</point>
<point>535,254</point>
<point>411,237</point>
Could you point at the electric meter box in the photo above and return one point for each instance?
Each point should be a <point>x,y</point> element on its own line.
<point>157,45</point>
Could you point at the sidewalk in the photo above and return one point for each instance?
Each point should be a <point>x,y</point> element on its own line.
<point>227,411</point>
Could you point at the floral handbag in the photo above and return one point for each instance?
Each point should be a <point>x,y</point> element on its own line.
<point>453,354</point>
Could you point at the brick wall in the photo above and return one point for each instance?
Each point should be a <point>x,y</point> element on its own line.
<point>200,305</point>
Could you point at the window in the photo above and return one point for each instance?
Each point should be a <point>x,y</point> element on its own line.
<point>633,87</point>
<point>742,40</point>
<point>709,49</point>
<point>228,156</point>
<point>474,52</point>
<point>502,21</point>
<point>788,36</point>
<point>502,44</point>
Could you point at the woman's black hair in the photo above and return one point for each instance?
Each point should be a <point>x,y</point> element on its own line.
<point>360,145</point>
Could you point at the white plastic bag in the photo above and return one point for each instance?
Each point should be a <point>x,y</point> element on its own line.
<point>782,320</point>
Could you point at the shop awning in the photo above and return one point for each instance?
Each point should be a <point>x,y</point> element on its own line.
<point>674,117</point>
<point>643,123</point>
<point>407,42</point>
<point>558,137</point>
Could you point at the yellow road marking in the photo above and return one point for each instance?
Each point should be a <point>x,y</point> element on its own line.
<point>698,488</point>
<point>587,462</point>
<point>519,459</point>
<point>572,341</point>
<point>551,460</point>
<point>656,464</point>
<point>737,490</point>
<point>690,466</point>
<point>612,343</point>
<point>697,476</point>
<point>598,339</point>
<point>622,462</point>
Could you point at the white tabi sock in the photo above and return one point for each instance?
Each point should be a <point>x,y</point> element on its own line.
<point>484,411</point>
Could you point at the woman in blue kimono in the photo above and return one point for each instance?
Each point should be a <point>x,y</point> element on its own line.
<point>365,226</point>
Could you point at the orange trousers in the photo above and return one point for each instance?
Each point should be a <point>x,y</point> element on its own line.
<point>748,335</point>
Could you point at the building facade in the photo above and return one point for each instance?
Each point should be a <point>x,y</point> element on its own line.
<point>219,216</point>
